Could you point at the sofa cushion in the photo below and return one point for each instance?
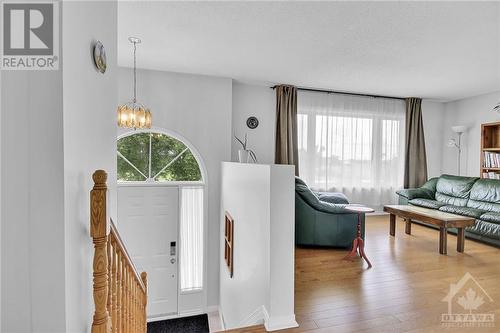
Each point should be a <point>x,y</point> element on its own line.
<point>427,203</point>
<point>332,197</point>
<point>454,190</point>
<point>486,229</point>
<point>299,181</point>
<point>304,192</point>
<point>485,195</point>
<point>431,184</point>
<point>412,193</point>
<point>491,217</point>
<point>465,211</point>
<point>426,191</point>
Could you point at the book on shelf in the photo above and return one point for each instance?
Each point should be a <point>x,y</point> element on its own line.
<point>491,175</point>
<point>491,160</point>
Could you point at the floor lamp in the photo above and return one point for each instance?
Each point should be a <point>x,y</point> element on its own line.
<point>453,143</point>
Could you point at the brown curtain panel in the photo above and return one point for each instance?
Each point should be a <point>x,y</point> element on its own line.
<point>415,156</point>
<point>286,151</point>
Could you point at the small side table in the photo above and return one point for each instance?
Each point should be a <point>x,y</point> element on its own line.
<point>358,244</point>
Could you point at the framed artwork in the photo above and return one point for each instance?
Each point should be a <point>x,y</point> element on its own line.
<point>228,242</point>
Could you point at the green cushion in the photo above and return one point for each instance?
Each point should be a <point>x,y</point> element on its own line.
<point>427,203</point>
<point>485,195</point>
<point>431,185</point>
<point>491,217</point>
<point>299,181</point>
<point>312,200</point>
<point>332,197</point>
<point>426,191</point>
<point>412,193</point>
<point>486,229</point>
<point>465,211</point>
<point>454,190</point>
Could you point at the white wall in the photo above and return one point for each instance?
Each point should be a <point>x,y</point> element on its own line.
<point>90,101</point>
<point>199,109</point>
<point>259,101</point>
<point>260,198</point>
<point>246,196</point>
<point>52,141</point>
<point>254,100</point>
<point>32,200</point>
<point>471,112</point>
<point>281,299</point>
<point>433,117</point>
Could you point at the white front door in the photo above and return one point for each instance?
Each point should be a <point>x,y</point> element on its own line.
<point>148,219</point>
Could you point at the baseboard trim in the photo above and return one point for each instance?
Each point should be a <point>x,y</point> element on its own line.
<point>221,318</point>
<point>254,318</point>
<point>212,308</point>
<point>278,322</point>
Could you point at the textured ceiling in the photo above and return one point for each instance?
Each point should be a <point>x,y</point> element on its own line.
<point>436,50</point>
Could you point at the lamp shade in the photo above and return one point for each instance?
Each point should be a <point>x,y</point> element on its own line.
<point>459,128</point>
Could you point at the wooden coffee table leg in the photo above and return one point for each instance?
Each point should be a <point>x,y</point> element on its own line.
<point>460,239</point>
<point>443,235</point>
<point>392,229</point>
<point>408,226</point>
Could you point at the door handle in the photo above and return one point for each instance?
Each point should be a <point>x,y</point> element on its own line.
<point>172,261</point>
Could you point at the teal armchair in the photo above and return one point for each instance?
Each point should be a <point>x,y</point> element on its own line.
<point>321,219</point>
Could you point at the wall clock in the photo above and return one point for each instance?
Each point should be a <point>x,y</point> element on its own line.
<point>100,57</point>
<point>252,122</point>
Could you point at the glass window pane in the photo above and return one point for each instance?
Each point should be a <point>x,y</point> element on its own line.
<point>171,160</point>
<point>126,172</point>
<point>163,150</point>
<point>135,148</point>
<point>191,239</point>
<point>185,168</point>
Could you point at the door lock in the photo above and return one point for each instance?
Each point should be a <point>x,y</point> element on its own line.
<point>172,260</point>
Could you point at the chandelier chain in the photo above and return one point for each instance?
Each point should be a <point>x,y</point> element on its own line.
<point>135,73</point>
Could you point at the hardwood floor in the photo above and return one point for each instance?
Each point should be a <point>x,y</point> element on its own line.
<point>403,291</point>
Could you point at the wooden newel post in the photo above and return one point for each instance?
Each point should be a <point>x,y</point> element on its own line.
<point>144,278</point>
<point>99,230</point>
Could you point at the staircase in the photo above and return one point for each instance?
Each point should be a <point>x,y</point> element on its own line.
<point>120,293</point>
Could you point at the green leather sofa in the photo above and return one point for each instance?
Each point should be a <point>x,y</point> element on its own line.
<point>468,196</point>
<point>321,219</point>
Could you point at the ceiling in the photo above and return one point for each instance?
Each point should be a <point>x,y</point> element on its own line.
<point>436,50</point>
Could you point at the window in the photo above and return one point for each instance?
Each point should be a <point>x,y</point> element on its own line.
<point>191,235</point>
<point>352,144</point>
<point>155,157</point>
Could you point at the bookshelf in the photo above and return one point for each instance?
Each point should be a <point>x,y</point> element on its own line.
<point>490,150</point>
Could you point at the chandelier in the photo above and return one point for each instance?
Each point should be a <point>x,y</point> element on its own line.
<point>134,114</point>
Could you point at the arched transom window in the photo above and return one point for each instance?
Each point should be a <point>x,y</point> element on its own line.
<point>156,157</point>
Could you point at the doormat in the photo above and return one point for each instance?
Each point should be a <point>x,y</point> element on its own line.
<point>193,324</point>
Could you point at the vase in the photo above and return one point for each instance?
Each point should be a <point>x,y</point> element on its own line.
<point>243,156</point>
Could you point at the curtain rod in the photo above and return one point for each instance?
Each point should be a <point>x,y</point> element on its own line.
<point>343,92</point>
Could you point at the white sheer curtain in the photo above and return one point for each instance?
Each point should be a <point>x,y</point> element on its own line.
<point>352,144</point>
<point>191,235</point>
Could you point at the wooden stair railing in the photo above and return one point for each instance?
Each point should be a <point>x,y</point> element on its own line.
<point>120,293</point>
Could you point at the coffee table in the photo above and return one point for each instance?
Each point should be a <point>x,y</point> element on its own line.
<point>358,243</point>
<point>435,217</point>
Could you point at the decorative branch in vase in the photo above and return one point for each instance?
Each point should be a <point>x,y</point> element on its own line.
<point>244,154</point>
